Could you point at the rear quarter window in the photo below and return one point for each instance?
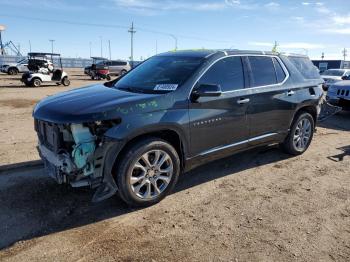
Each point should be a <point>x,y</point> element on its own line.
<point>305,67</point>
<point>263,71</point>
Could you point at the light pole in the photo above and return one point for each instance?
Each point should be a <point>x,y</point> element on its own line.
<point>132,31</point>
<point>101,46</point>
<point>175,39</point>
<point>345,53</point>
<point>52,40</point>
<point>90,48</point>
<point>109,48</point>
<point>2,51</point>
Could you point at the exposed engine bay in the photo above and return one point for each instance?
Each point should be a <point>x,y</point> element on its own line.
<point>75,153</point>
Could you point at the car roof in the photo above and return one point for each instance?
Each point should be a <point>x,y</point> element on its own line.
<point>206,53</point>
<point>98,58</point>
<point>42,54</point>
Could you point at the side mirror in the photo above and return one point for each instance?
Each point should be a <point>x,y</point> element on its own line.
<point>345,78</point>
<point>206,90</point>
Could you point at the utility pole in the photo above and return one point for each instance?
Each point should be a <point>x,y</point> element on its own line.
<point>322,56</point>
<point>30,46</point>
<point>52,40</point>
<point>101,46</point>
<point>132,32</point>
<point>345,53</point>
<point>156,47</point>
<point>109,48</point>
<point>90,48</point>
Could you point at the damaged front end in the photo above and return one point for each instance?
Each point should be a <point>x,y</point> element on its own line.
<point>79,155</point>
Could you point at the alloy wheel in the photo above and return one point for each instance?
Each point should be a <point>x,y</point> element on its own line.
<point>302,134</point>
<point>151,174</point>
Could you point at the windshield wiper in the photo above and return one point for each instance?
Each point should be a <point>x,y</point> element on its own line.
<point>131,89</point>
<point>138,90</point>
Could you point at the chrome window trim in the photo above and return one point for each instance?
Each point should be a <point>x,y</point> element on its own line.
<point>215,149</point>
<point>248,88</point>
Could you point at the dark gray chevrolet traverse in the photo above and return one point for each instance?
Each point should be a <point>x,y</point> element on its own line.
<point>175,111</point>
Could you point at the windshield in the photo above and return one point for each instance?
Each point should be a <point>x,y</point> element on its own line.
<point>23,61</point>
<point>159,74</point>
<point>333,73</point>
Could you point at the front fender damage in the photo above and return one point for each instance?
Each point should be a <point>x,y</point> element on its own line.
<point>79,155</point>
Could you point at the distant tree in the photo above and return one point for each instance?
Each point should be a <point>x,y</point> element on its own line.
<point>274,48</point>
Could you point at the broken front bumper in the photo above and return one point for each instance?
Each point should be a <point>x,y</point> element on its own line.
<point>62,168</point>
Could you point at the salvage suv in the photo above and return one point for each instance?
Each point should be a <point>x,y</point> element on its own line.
<point>175,111</point>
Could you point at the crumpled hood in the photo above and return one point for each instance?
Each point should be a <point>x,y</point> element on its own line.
<point>92,103</point>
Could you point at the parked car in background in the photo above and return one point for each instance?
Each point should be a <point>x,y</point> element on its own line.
<point>115,67</point>
<point>173,112</point>
<point>118,67</point>
<point>15,68</point>
<point>332,76</point>
<point>339,94</point>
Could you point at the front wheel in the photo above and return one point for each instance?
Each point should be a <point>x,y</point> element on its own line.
<point>12,71</point>
<point>147,172</point>
<point>36,82</point>
<point>300,135</point>
<point>66,81</point>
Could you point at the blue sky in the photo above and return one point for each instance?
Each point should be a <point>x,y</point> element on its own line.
<point>305,26</point>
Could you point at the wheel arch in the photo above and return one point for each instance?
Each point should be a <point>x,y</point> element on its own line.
<point>311,109</point>
<point>12,68</point>
<point>169,135</point>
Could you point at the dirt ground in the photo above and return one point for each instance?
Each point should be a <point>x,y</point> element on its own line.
<point>16,105</point>
<point>260,205</point>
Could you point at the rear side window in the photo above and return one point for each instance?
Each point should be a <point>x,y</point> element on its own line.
<point>228,73</point>
<point>263,71</point>
<point>118,63</point>
<point>280,74</point>
<point>305,67</point>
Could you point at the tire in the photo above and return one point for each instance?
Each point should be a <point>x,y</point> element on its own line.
<point>65,81</point>
<point>146,178</point>
<point>12,71</point>
<point>300,135</point>
<point>123,72</point>
<point>36,82</point>
<point>108,77</point>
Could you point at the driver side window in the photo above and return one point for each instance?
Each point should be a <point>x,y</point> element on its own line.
<point>227,72</point>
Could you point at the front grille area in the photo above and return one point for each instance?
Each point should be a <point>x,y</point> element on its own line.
<point>343,92</point>
<point>49,134</point>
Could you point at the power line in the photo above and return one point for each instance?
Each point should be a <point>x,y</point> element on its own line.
<point>115,26</point>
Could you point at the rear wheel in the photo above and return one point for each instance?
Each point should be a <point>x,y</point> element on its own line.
<point>108,77</point>
<point>300,135</point>
<point>123,72</point>
<point>65,81</point>
<point>36,82</point>
<point>147,172</point>
<point>13,71</point>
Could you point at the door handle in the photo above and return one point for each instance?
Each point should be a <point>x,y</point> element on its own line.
<point>243,101</point>
<point>290,93</point>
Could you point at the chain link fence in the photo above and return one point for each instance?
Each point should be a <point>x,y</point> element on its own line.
<point>66,62</point>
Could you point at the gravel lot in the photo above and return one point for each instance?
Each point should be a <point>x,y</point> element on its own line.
<point>261,205</point>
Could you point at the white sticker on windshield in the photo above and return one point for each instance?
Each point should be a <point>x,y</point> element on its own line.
<point>166,87</point>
